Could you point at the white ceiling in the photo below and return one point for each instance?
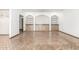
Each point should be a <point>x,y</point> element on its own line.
<point>41,10</point>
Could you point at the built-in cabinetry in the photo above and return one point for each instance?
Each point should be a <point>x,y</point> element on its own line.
<point>29,23</point>
<point>54,23</point>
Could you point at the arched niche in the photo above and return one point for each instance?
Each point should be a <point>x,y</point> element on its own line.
<point>42,19</point>
<point>42,23</point>
<point>54,23</point>
<point>29,23</point>
<point>29,19</point>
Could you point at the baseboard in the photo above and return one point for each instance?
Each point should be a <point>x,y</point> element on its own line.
<point>14,36</point>
<point>69,34</point>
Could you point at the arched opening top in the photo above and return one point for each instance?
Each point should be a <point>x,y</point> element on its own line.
<point>29,17</point>
<point>54,17</point>
<point>42,19</point>
<point>42,16</point>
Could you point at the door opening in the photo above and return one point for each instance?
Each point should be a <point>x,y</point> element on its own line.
<point>20,23</point>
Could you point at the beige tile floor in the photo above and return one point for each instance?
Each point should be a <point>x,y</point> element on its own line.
<point>40,41</point>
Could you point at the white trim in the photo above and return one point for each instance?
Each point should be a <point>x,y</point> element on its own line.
<point>50,24</point>
<point>10,18</point>
<point>34,23</point>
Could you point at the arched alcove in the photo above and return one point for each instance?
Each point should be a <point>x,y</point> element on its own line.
<point>29,23</point>
<point>54,23</point>
<point>42,19</point>
<point>29,19</point>
<point>42,23</point>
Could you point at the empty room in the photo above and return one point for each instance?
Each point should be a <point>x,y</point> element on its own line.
<point>39,29</point>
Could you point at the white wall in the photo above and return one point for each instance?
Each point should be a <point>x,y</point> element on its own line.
<point>4,21</point>
<point>14,22</point>
<point>70,22</point>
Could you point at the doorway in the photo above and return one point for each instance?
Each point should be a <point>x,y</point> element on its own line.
<point>20,23</point>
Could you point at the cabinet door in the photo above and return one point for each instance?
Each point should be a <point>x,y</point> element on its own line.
<point>54,27</point>
<point>42,27</point>
<point>29,27</point>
